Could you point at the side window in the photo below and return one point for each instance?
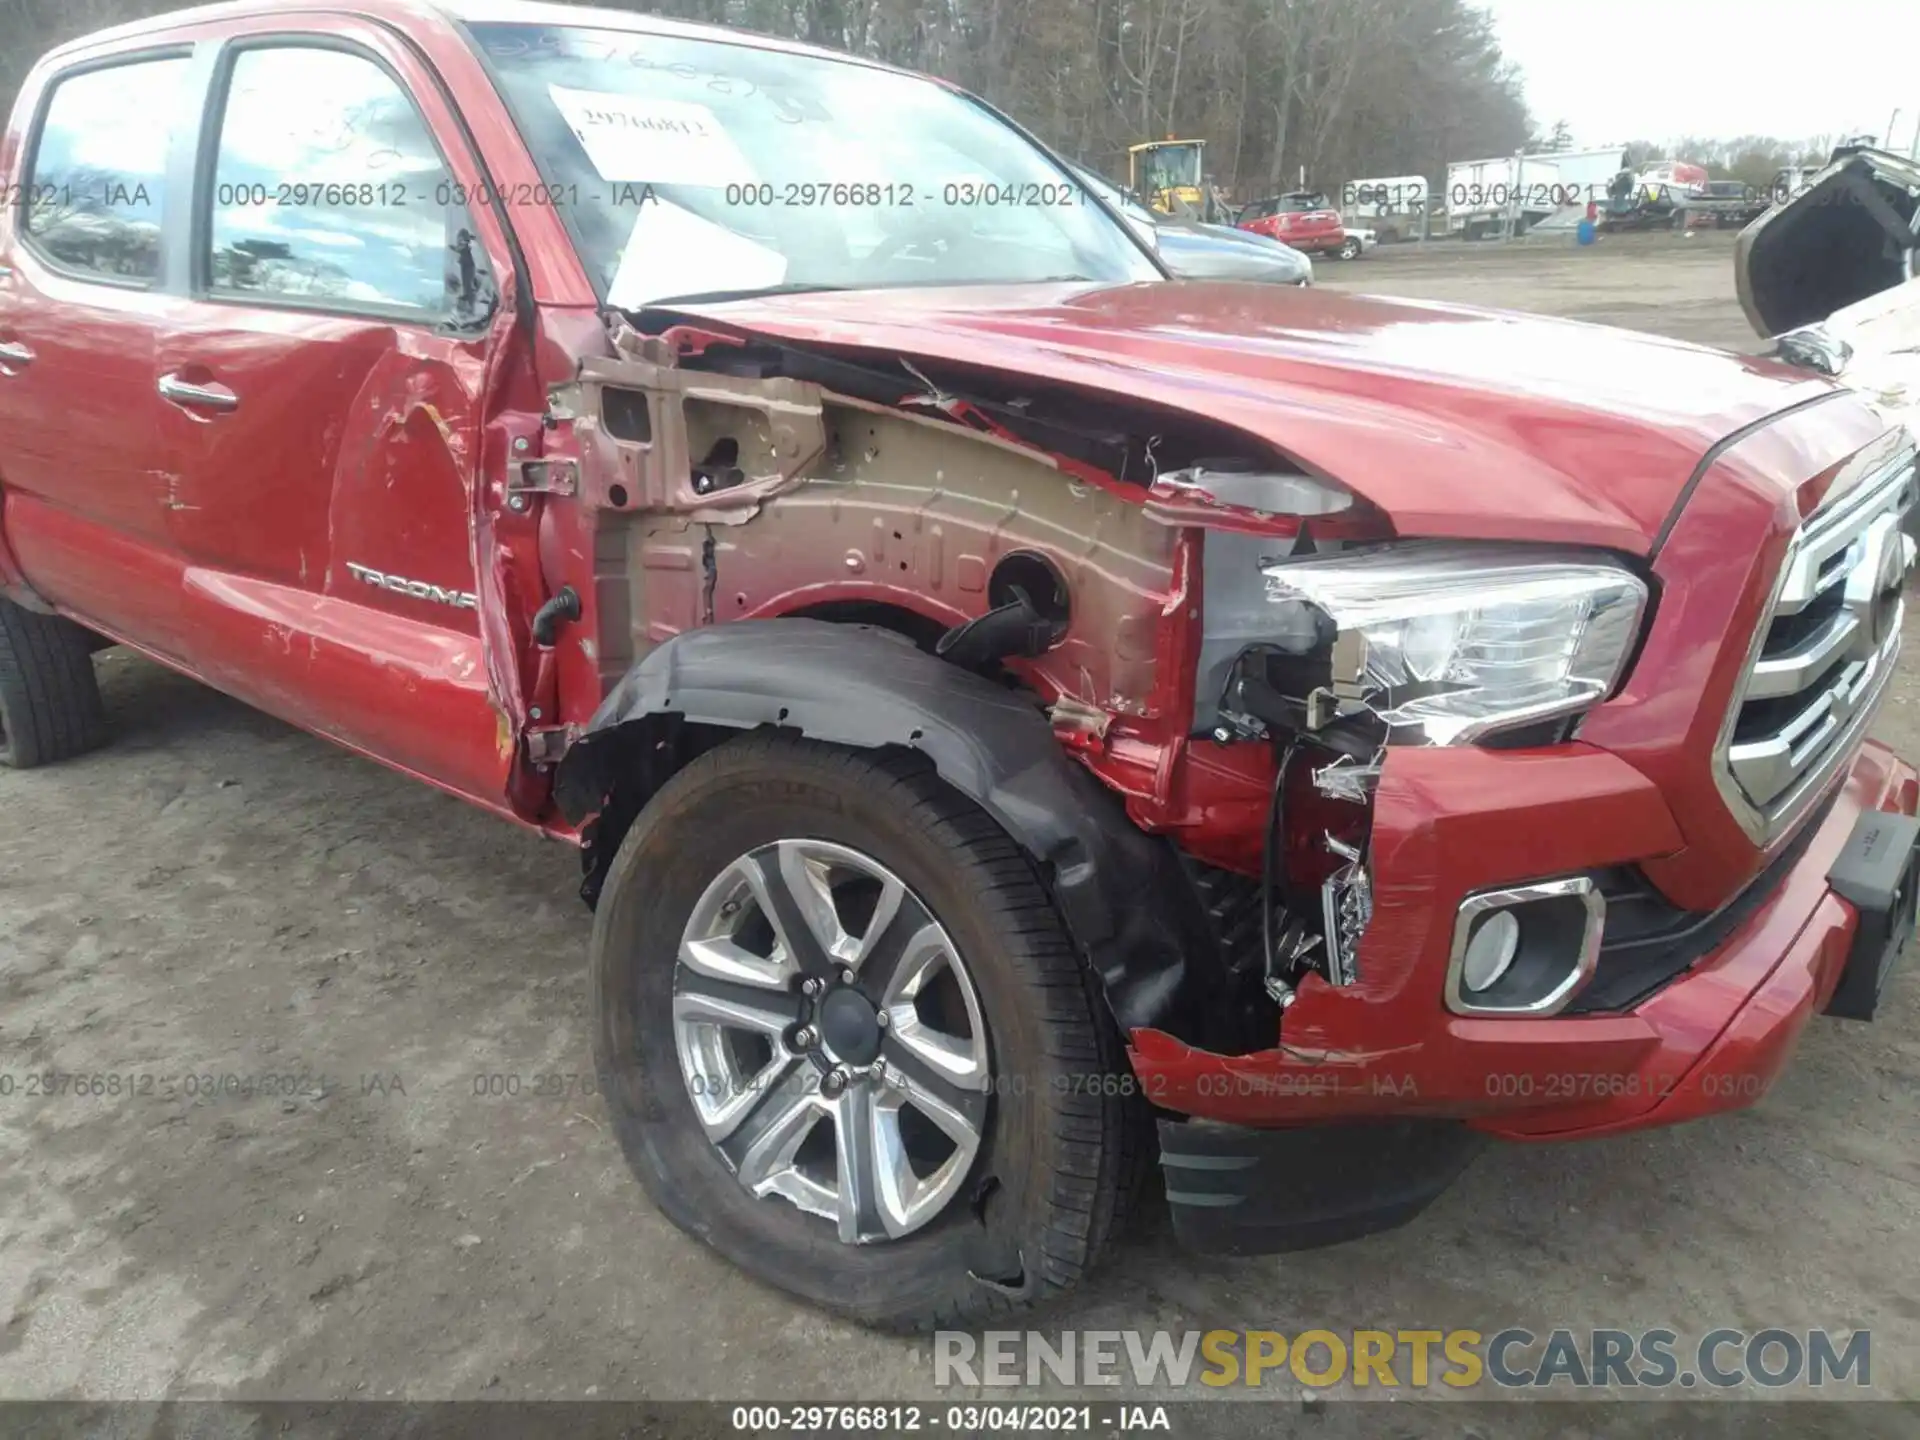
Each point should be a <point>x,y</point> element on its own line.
<point>95,198</point>
<point>327,190</point>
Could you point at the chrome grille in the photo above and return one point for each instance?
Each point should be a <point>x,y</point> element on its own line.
<point>1822,656</point>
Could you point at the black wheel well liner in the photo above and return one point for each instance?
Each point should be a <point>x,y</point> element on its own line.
<point>1123,894</point>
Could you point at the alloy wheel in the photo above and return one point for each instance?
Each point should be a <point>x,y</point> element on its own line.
<point>831,1038</point>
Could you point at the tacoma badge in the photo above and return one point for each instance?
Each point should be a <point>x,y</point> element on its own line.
<point>418,589</point>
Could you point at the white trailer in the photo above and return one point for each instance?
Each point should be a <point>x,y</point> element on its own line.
<point>1393,206</point>
<point>1509,194</point>
<point>1488,197</point>
<point>1583,175</point>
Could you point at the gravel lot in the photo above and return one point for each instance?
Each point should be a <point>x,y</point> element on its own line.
<point>1665,284</point>
<point>217,894</point>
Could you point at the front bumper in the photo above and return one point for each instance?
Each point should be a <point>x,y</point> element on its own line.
<point>1237,1191</point>
<point>1453,822</point>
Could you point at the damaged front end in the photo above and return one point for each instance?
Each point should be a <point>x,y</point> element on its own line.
<point>1039,548</point>
<point>1336,657</point>
<point>1236,648</point>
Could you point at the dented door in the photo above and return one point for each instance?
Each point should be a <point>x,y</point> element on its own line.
<point>325,396</point>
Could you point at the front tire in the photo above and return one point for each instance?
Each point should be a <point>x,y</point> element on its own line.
<point>1350,249</point>
<point>963,1158</point>
<point>49,697</point>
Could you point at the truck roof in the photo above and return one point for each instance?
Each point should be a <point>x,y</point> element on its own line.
<point>523,12</point>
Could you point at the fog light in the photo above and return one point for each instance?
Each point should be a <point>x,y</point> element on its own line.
<point>1525,950</point>
<point>1490,950</point>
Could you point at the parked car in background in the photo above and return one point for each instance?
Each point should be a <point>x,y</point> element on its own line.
<point>1304,219</point>
<point>1013,714</point>
<point>1356,243</point>
<point>1220,252</point>
<point>1394,207</point>
<point>1830,274</point>
<point>1195,251</point>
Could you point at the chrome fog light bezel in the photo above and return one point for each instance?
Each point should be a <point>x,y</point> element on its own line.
<point>1515,897</point>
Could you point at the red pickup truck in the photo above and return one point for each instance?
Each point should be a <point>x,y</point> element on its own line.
<point>1018,714</point>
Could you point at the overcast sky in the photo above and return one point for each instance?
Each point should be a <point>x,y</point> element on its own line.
<point>1619,70</point>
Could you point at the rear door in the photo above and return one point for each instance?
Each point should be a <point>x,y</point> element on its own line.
<point>84,281</point>
<point>325,389</point>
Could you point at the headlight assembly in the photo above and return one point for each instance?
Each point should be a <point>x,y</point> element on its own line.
<point>1446,642</point>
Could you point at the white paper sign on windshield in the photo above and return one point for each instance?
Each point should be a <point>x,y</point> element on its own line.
<point>672,251</point>
<point>631,138</point>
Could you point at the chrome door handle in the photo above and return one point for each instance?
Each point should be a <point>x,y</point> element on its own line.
<point>210,397</point>
<point>15,355</point>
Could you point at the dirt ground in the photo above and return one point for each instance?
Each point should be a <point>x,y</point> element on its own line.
<point>218,895</point>
<point>1665,284</point>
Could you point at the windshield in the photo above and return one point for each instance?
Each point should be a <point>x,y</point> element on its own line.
<point>690,167</point>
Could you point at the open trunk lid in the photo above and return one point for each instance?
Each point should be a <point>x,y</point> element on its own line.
<point>1831,276</point>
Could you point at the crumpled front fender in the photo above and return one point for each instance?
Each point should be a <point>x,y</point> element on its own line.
<point>1120,891</point>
